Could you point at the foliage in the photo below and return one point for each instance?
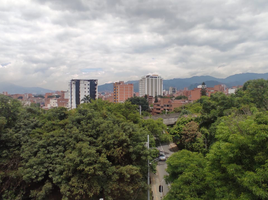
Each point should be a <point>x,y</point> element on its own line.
<point>181,97</point>
<point>191,137</point>
<point>86,99</point>
<point>186,133</point>
<point>158,130</point>
<point>257,92</point>
<point>186,173</point>
<point>53,96</point>
<point>94,151</point>
<point>189,108</point>
<point>203,90</point>
<point>155,99</point>
<point>140,101</point>
<point>234,168</point>
<point>233,130</point>
<point>9,109</point>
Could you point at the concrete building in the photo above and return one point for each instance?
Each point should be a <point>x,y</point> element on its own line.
<point>122,91</point>
<point>172,90</point>
<point>151,85</point>
<point>79,88</point>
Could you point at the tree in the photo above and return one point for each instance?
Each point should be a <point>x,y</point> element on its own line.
<point>203,89</point>
<point>86,99</point>
<point>155,99</point>
<point>181,97</point>
<point>191,108</point>
<point>187,176</point>
<point>257,91</point>
<point>96,150</point>
<point>234,168</point>
<point>157,129</point>
<point>9,109</point>
<point>191,137</point>
<point>140,101</point>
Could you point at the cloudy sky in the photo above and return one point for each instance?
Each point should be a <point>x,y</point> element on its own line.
<point>48,42</point>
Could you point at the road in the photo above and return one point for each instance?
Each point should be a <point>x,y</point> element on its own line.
<point>158,178</point>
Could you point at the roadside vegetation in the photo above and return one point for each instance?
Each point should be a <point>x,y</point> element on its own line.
<point>223,142</point>
<point>95,151</point>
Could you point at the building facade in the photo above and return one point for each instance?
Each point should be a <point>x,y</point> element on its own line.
<point>79,88</point>
<point>151,85</point>
<point>172,90</point>
<point>165,105</point>
<point>122,91</point>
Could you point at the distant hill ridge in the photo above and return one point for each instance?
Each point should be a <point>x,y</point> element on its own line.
<point>179,83</point>
<point>15,89</point>
<point>190,83</point>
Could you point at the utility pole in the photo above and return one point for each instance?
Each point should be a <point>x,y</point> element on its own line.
<point>148,180</point>
<point>140,109</point>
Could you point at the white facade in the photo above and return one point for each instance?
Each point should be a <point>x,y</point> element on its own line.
<point>53,103</point>
<point>79,88</point>
<point>151,85</point>
<point>231,91</point>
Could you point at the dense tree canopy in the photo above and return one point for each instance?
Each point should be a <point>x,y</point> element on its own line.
<point>225,147</point>
<point>97,150</point>
<point>140,101</point>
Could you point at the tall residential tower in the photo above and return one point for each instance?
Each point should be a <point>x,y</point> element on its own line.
<point>79,88</point>
<point>151,85</point>
<point>122,91</point>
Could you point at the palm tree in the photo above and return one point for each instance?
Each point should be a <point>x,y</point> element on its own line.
<point>86,99</point>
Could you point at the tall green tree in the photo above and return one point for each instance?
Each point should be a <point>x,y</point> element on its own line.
<point>257,91</point>
<point>187,176</point>
<point>140,101</point>
<point>203,89</point>
<point>234,168</point>
<point>94,151</point>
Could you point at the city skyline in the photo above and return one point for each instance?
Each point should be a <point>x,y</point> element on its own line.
<point>46,43</point>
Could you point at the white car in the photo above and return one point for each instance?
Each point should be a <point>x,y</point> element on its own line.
<point>162,156</point>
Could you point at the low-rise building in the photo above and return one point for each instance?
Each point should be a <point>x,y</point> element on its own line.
<point>165,105</point>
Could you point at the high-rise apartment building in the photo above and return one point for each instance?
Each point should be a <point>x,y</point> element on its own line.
<point>151,85</point>
<point>79,88</point>
<point>172,90</point>
<point>122,91</point>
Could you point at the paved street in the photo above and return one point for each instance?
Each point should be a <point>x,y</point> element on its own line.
<point>158,178</point>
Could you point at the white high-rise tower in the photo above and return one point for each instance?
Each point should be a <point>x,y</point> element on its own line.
<point>151,85</point>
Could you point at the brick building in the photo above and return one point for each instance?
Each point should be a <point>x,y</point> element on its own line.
<point>122,91</point>
<point>61,102</point>
<point>167,105</point>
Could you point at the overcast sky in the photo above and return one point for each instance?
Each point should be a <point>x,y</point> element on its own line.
<point>48,42</point>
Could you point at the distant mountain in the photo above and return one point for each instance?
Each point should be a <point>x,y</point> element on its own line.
<point>107,87</point>
<point>208,84</point>
<point>179,83</point>
<point>15,89</point>
<point>135,84</point>
<point>190,83</point>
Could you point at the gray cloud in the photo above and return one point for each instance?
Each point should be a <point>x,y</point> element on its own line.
<point>48,42</point>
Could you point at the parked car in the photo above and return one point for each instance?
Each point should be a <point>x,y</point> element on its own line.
<point>162,156</point>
